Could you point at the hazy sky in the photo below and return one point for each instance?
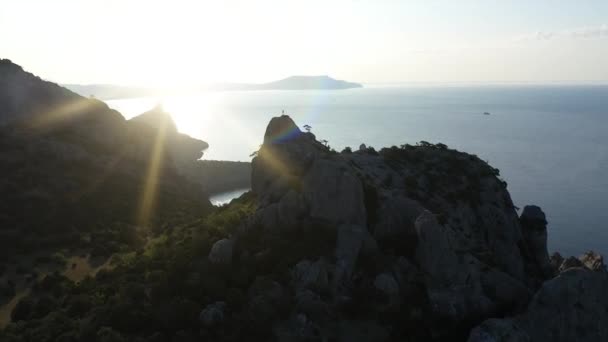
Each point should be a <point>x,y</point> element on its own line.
<point>176,41</point>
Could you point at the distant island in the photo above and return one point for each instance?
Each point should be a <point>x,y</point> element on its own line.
<point>293,83</point>
<point>109,91</point>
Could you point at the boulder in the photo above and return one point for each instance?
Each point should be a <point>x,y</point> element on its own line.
<point>221,252</point>
<point>212,314</point>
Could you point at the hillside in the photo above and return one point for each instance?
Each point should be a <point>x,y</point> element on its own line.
<point>410,243</point>
<point>71,164</point>
<point>80,181</point>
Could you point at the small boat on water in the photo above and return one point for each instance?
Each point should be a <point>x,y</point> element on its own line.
<point>486,113</point>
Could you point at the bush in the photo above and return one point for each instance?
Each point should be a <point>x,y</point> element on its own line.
<point>24,310</point>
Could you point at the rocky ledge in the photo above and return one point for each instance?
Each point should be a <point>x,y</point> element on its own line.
<point>424,244</point>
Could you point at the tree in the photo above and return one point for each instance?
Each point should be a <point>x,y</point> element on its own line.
<point>307,128</point>
<point>347,150</point>
<point>325,142</point>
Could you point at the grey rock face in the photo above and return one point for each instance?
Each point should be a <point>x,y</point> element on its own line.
<point>534,228</point>
<point>447,277</point>
<point>351,239</point>
<point>334,193</point>
<point>396,218</point>
<point>221,252</point>
<point>310,274</point>
<point>459,285</point>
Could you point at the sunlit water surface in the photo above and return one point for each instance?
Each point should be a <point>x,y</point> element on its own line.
<point>550,143</point>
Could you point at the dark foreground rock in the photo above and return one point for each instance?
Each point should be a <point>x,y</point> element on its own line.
<point>571,307</point>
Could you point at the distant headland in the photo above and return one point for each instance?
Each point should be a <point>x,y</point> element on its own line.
<point>109,91</point>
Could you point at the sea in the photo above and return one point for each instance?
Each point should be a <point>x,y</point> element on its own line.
<point>550,142</point>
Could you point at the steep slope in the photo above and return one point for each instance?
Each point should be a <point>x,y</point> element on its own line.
<point>76,174</point>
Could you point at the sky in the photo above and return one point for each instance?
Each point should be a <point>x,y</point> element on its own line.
<point>176,42</point>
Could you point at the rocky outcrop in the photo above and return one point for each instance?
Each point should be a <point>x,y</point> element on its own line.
<point>593,261</point>
<point>423,226</point>
<point>571,307</point>
<point>183,150</point>
<point>590,260</point>
<point>534,228</point>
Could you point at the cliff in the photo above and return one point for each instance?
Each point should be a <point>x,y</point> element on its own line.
<point>71,165</point>
<point>412,242</point>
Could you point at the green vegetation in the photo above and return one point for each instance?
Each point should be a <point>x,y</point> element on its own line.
<point>157,292</point>
<point>436,171</point>
<point>53,200</point>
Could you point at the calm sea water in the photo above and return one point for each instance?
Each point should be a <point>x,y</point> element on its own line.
<point>549,142</point>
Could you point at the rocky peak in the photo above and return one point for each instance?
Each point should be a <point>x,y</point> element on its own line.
<point>280,130</point>
<point>443,212</point>
<point>534,247</point>
<point>157,118</point>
